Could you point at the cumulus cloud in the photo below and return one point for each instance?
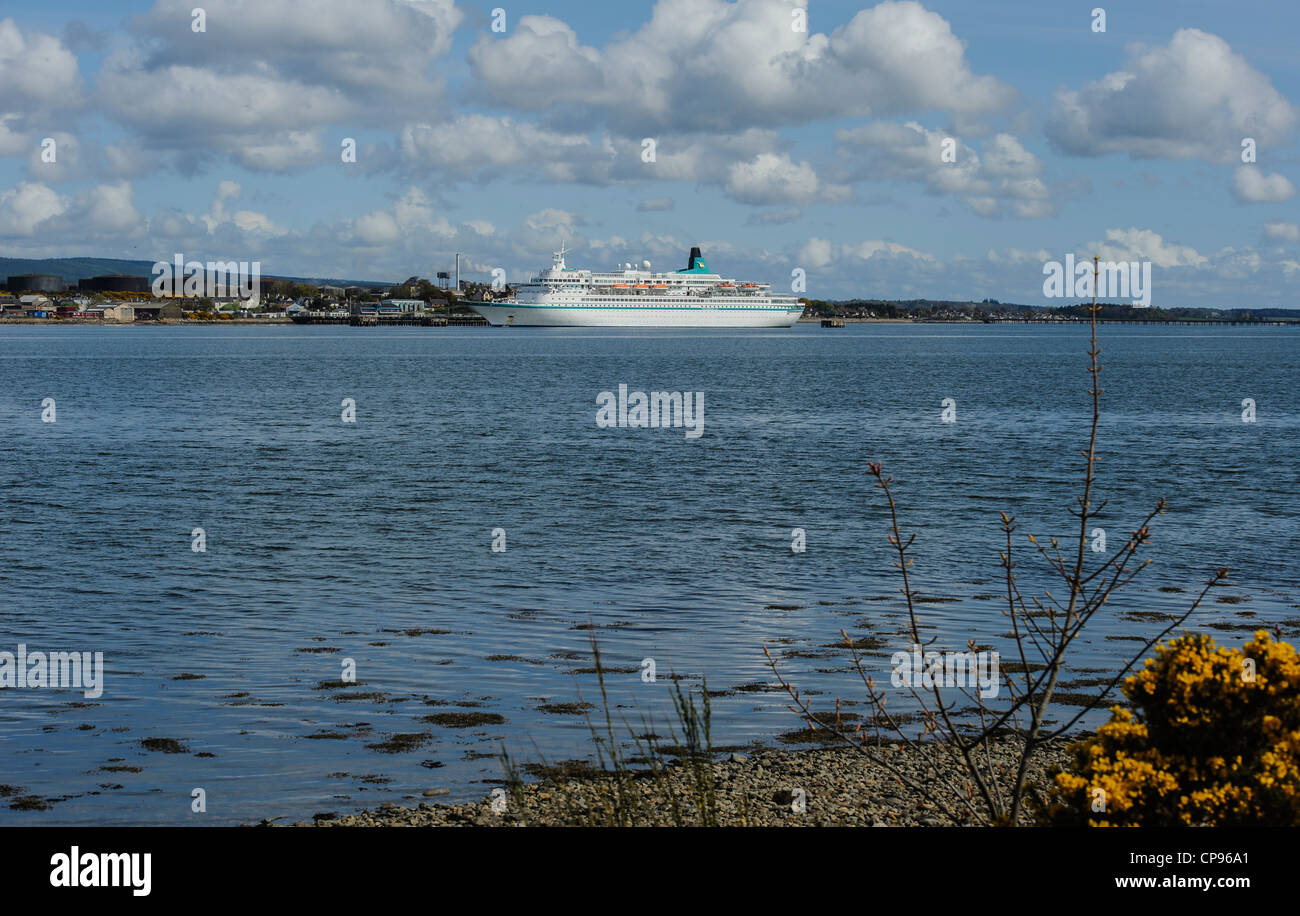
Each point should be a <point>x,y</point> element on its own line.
<point>27,206</point>
<point>1192,98</point>
<point>267,77</point>
<point>715,65</point>
<point>411,216</point>
<point>366,46</point>
<point>747,166</point>
<point>1135,244</point>
<point>38,77</point>
<point>819,253</point>
<point>13,142</point>
<point>1019,256</point>
<point>36,71</point>
<point>776,179</point>
<point>209,104</point>
<point>1282,231</point>
<point>67,163</point>
<point>110,208</point>
<point>1007,179</point>
<point>129,159</point>
<point>483,146</point>
<point>246,221</point>
<point>1251,186</point>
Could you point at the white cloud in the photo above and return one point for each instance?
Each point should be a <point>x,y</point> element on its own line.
<point>280,152</point>
<point>818,253</point>
<point>1007,177</point>
<point>268,76</point>
<point>377,228</point>
<point>1252,186</point>
<point>129,159</point>
<point>212,104</point>
<point>865,251</point>
<point>110,208</point>
<point>1194,97</point>
<point>362,45</point>
<point>710,64</point>
<point>480,146</point>
<point>1282,232</point>
<point>26,206</point>
<point>67,162</point>
<point>36,71</point>
<point>1234,264</point>
<point>1135,244</point>
<point>1020,256</point>
<point>776,179</point>
<point>410,218</point>
<point>247,221</point>
<point>13,142</point>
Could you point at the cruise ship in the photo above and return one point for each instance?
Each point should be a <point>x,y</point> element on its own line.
<point>635,297</point>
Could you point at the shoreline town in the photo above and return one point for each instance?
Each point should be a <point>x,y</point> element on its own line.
<point>118,299</point>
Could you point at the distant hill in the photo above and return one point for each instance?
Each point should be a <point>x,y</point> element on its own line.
<point>74,269</point>
<point>911,308</point>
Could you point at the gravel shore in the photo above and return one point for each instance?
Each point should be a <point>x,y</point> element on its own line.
<point>837,786</point>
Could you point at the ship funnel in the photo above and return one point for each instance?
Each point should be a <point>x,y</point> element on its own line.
<point>697,262</point>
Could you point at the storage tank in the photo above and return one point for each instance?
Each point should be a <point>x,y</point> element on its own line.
<point>35,283</point>
<point>115,283</point>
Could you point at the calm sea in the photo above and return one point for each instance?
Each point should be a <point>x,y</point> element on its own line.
<point>371,541</point>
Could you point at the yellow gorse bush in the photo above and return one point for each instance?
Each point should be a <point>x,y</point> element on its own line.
<point>1214,740</point>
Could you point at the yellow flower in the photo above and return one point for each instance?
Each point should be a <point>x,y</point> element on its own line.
<point>1213,739</point>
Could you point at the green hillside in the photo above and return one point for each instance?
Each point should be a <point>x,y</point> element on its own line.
<point>74,269</point>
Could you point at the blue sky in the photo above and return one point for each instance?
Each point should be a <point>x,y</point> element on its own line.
<point>775,149</point>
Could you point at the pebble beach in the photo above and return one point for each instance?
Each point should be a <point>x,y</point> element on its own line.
<point>820,787</point>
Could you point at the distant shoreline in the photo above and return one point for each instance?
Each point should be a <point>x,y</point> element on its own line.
<point>168,322</point>
<point>280,322</point>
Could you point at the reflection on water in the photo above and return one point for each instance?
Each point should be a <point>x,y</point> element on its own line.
<point>371,541</point>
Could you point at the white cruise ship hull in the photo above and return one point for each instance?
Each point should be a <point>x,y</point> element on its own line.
<point>515,314</point>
